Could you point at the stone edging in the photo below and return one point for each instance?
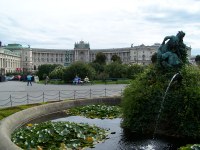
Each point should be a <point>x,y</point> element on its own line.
<point>11,123</point>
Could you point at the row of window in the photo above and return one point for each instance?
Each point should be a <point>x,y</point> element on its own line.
<point>48,54</point>
<point>48,60</point>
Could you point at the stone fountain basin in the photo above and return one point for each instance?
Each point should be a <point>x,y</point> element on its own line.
<point>17,120</point>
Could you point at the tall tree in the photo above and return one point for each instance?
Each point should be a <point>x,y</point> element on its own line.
<point>45,69</point>
<point>79,69</point>
<point>116,58</point>
<point>197,59</point>
<point>154,58</point>
<point>100,58</point>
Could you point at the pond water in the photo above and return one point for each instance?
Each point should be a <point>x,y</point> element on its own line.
<point>122,140</point>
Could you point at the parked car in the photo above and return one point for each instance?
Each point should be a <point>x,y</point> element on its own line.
<point>9,78</point>
<point>23,78</point>
<point>17,77</point>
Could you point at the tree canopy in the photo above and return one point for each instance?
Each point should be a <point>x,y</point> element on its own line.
<point>100,58</point>
<point>116,58</point>
<point>197,59</point>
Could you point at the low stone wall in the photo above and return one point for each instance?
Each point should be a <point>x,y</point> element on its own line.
<point>11,123</point>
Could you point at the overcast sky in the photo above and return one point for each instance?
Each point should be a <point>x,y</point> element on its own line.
<point>102,23</point>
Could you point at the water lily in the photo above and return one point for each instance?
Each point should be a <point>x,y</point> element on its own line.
<point>89,139</point>
<point>29,125</point>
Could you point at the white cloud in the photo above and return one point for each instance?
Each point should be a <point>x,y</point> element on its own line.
<point>102,23</point>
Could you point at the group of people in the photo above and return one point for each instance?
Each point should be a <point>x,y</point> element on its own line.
<point>77,80</point>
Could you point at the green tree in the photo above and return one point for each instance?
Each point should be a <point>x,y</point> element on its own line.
<point>154,58</point>
<point>197,59</point>
<point>99,68</point>
<point>44,70</point>
<point>100,58</point>
<point>134,70</point>
<point>116,70</point>
<point>80,69</point>
<point>116,58</point>
<point>57,73</point>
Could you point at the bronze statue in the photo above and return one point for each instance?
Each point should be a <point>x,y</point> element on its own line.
<point>172,53</point>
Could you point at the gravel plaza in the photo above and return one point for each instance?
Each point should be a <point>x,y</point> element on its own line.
<point>14,93</point>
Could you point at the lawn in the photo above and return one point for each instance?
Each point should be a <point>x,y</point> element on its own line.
<point>5,112</point>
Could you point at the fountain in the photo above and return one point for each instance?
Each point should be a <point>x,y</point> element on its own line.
<point>162,102</point>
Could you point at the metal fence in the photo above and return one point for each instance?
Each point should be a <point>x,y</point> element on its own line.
<point>14,98</point>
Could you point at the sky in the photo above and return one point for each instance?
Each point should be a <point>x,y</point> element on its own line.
<point>102,23</point>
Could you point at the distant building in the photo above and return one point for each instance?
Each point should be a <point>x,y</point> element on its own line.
<point>31,58</point>
<point>10,61</point>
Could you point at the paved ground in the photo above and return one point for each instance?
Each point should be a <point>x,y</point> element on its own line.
<point>17,93</point>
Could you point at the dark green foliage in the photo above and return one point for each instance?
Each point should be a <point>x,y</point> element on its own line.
<point>181,109</point>
<point>116,58</point>
<point>100,58</point>
<point>99,68</point>
<point>57,73</point>
<point>116,70</point>
<point>134,70</point>
<point>197,59</point>
<point>183,53</point>
<point>80,69</point>
<point>96,111</point>
<point>44,70</point>
<point>154,58</point>
<point>58,135</point>
<point>101,76</point>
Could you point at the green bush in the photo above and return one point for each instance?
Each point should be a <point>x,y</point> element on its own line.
<point>80,69</point>
<point>57,73</point>
<point>45,69</point>
<point>181,108</point>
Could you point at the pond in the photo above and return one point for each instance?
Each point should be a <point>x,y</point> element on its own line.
<point>123,140</point>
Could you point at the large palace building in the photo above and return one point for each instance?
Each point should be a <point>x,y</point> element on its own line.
<point>15,57</point>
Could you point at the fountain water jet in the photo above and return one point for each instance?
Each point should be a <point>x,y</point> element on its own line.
<point>161,105</point>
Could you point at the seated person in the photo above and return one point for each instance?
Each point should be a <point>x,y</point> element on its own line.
<point>79,81</point>
<point>86,80</point>
<point>75,81</point>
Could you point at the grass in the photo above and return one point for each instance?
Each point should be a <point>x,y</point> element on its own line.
<point>5,112</point>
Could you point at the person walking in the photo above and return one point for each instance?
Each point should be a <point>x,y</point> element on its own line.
<point>29,79</point>
<point>46,80</point>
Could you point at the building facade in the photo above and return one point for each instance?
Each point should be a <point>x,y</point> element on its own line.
<point>9,61</point>
<point>32,58</point>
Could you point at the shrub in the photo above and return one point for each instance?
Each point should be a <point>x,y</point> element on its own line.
<point>181,108</point>
<point>78,68</point>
